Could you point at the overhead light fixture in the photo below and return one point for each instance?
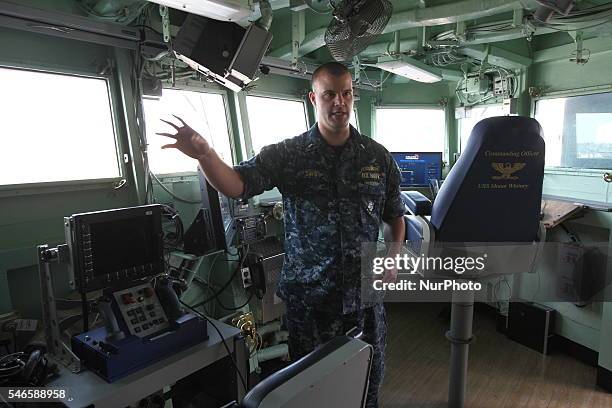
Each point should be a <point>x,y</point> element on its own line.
<point>224,10</point>
<point>409,68</point>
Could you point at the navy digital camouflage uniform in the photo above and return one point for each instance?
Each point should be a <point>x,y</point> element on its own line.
<point>334,199</point>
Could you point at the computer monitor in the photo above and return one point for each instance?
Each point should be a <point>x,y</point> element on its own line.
<point>114,246</point>
<point>417,168</point>
<point>224,51</point>
<point>217,210</point>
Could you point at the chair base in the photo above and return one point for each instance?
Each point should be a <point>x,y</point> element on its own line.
<point>460,337</point>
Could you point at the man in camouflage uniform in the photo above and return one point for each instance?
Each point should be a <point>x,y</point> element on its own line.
<point>337,186</point>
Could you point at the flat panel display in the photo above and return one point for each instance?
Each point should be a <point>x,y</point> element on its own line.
<point>417,168</point>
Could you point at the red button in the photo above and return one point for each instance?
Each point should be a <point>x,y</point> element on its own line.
<point>148,292</point>
<point>127,298</point>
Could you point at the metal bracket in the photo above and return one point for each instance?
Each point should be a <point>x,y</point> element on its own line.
<point>459,341</point>
<point>517,17</point>
<point>460,30</point>
<point>298,33</point>
<point>422,38</point>
<point>485,57</point>
<point>56,348</point>
<point>578,56</point>
<point>535,92</point>
<point>528,29</point>
<point>357,75</point>
<point>396,43</point>
<point>165,17</point>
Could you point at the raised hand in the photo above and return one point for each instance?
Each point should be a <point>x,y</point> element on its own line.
<point>187,140</point>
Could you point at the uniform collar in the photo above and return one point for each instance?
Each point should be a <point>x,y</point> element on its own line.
<point>317,142</point>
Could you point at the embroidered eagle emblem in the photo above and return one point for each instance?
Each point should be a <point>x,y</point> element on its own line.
<point>506,170</point>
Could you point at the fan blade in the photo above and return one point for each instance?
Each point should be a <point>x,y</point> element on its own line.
<point>355,26</point>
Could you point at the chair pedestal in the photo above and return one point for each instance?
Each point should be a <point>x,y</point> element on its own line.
<point>460,337</point>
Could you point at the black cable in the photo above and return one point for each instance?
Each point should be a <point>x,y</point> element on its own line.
<point>173,216</point>
<point>575,239</point>
<point>216,294</point>
<point>12,364</point>
<point>203,283</point>
<point>237,307</point>
<point>229,353</point>
<point>226,285</point>
<point>149,27</point>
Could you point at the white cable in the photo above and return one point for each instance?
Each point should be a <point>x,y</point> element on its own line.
<point>171,192</point>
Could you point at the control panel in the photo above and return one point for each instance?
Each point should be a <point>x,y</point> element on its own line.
<point>141,310</point>
<point>251,229</point>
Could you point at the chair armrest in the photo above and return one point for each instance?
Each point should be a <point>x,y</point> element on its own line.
<point>416,203</point>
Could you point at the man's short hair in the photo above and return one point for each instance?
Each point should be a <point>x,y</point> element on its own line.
<point>332,68</point>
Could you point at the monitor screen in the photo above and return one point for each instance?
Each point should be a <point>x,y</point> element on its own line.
<point>112,247</point>
<point>418,168</point>
<point>122,244</point>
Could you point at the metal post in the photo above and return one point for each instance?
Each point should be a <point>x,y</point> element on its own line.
<point>396,43</point>
<point>460,337</point>
<point>56,348</point>
<point>49,314</point>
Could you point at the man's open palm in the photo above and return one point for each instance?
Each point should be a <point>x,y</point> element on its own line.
<point>187,140</point>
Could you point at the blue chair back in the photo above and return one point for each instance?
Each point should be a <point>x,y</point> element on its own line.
<point>494,191</point>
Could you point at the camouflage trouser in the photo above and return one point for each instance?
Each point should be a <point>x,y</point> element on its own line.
<point>308,328</point>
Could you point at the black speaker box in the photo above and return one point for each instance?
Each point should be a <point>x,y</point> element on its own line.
<point>531,324</point>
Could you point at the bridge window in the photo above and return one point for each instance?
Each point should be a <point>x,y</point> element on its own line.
<point>55,128</point>
<point>204,112</point>
<point>475,115</point>
<point>411,129</point>
<point>577,130</point>
<point>272,120</point>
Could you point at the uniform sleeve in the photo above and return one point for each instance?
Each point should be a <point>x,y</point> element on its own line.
<point>394,206</point>
<point>264,171</point>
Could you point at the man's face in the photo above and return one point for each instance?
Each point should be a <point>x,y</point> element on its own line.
<point>333,98</point>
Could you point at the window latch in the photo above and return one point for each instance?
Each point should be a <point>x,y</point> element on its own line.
<point>118,184</point>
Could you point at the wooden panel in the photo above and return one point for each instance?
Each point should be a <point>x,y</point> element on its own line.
<point>501,373</point>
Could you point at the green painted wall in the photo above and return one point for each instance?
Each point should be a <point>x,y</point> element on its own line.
<point>32,216</point>
<point>589,326</point>
<point>563,74</point>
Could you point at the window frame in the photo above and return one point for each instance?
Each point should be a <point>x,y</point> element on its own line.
<point>202,88</point>
<point>567,93</point>
<point>444,110</point>
<point>356,115</point>
<point>246,124</point>
<point>112,82</point>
